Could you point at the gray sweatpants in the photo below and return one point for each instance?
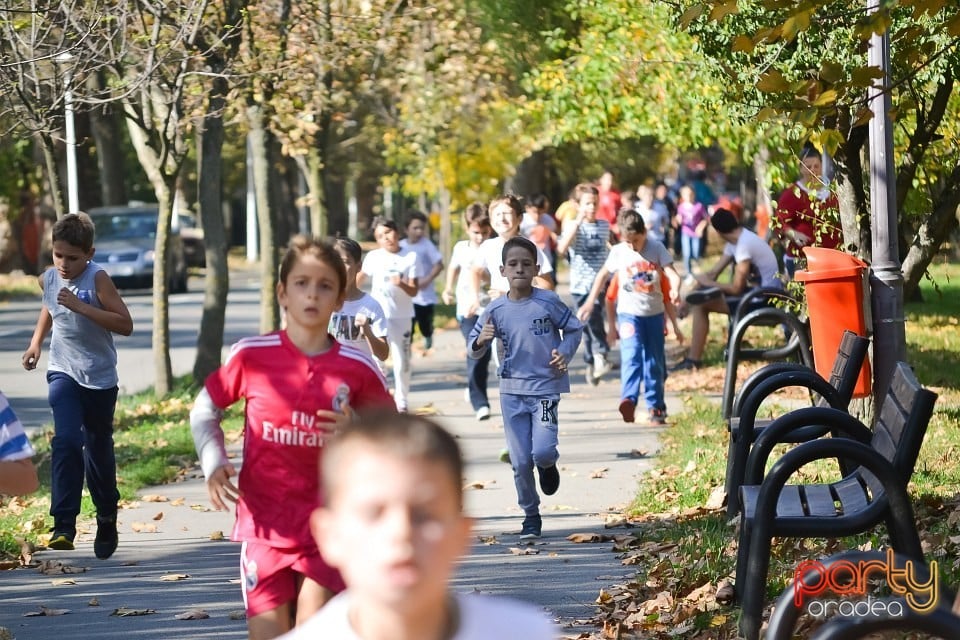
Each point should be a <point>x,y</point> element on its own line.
<point>530,426</point>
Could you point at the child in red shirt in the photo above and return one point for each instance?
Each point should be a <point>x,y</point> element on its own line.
<point>297,384</point>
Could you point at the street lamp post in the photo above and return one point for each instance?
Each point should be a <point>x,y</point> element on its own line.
<point>886,279</point>
<point>73,193</point>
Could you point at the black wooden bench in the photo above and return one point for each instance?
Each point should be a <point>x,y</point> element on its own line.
<point>788,609</point>
<point>795,344</point>
<point>745,427</point>
<point>874,492</point>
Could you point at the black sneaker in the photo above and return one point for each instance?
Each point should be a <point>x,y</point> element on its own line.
<point>61,540</point>
<point>549,479</point>
<point>699,296</point>
<point>106,541</point>
<point>658,417</point>
<point>532,527</point>
<point>687,365</point>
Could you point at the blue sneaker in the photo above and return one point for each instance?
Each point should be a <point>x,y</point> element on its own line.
<point>532,527</point>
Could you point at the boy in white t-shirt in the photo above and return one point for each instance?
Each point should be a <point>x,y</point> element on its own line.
<point>429,266</point>
<point>460,271</point>
<point>360,321</point>
<point>394,279</point>
<point>505,215</point>
<point>397,543</point>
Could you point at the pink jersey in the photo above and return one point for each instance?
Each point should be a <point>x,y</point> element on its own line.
<point>284,388</point>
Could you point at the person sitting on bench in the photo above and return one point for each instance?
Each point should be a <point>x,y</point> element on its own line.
<point>754,264</point>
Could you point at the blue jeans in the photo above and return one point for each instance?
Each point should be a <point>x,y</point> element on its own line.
<point>691,251</point>
<point>82,446</point>
<point>642,358</point>
<point>478,369</point>
<point>594,332</point>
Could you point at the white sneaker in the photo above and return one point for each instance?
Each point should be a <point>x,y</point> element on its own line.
<point>483,413</point>
<point>466,394</point>
<point>600,366</point>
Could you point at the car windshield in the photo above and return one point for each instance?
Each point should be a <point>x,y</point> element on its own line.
<point>126,225</point>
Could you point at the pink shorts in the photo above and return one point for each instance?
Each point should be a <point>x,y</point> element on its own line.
<point>269,575</point>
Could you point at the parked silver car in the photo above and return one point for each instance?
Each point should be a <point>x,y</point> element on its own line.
<point>125,240</point>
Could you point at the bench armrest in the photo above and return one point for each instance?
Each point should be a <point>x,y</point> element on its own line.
<point>811,417</point>
<point>802,377</point>
<point>759,376</point>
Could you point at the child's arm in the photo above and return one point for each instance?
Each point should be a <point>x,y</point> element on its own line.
<point>571,331</point>
<point>114,316</point>
<point>610,305</point>
<point>430,277</point>
<point>18,477</point>
<point>481,336</point>
<point>205,418</point>
<point>378,345</point>
<point>448,290</point>
<point>32,355</point>
<point>587,307</point>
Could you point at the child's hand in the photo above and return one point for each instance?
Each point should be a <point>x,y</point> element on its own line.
<point>361,320</point>
<point>558,361</point>
<point>30,358</point>
<point>583,313</point>
<point>612,334</point>
<point>68,299</point>
<point>487,333</point>
<point>395,279</point>
<point>221,489</point>
<point>447,296</point>
<point>678,333</point>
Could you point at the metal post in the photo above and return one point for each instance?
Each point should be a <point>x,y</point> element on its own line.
<point>252,238</point>
<point>73,189</point>
<point>886,279</point>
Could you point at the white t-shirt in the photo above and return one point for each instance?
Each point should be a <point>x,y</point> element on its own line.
<point>344,329</point>
<point>481,618</point>
<point>462,257</point>
<point>752,247</point>
<point>379,265</point>
<point>490,257</point>
<point>428,256</point>
<point>639,290</point>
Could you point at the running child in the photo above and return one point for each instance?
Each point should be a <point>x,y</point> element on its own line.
<point>429,266</point>
<point>460,271</point>
<point>298,385</point>
<point>586,241</point>
<point>397,543</point>
<point>538,335</point>
<point>83,309</point>
<point>394,279</point>
<point>360,321</point>
<point>505,215</point>
<point>640,263</point>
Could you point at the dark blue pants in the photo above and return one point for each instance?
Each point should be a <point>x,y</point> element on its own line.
<point>423,318</point>
<point>477,369</point>
<point>594,331</point>
<point>82,446</point>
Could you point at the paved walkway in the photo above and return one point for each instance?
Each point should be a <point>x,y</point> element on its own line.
<point>600,464</point>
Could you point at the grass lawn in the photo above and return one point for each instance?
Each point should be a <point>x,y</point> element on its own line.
<point>683,552</point>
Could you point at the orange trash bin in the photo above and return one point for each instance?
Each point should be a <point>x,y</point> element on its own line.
<point>834,286</point>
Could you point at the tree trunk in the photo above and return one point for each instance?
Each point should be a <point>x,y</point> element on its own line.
<point>854,213</point>
<point>932,234</point>
<point>210,198</point>
<point>314,176</point>
<point>269,309</point>
<point>53,174</point>
<point>105,123</point>
<point>163,181</point>
<point>530,176</point>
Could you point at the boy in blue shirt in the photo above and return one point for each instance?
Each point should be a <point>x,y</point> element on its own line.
<point>539,336</point>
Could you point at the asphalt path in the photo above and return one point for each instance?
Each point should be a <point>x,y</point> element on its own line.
<point>602,460</point>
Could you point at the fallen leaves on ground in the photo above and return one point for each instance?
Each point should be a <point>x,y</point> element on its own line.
<point>62,582</point>
<point>144,527</point>
<point>524,551</point>
<point>46,611</point>
<point>174,577</point>
<point>54,567</point>
<point>599,473</point>
<point>193,614</point>
<point>124,612</point>
<point>217,536</point>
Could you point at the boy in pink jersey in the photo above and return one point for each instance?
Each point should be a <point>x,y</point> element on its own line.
<point>297,384</point>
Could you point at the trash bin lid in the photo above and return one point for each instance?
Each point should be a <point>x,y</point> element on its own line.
<point>825,264</point>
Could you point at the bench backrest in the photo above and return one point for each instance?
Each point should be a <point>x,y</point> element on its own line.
<point>901,424</point>
<point>846,366</point>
